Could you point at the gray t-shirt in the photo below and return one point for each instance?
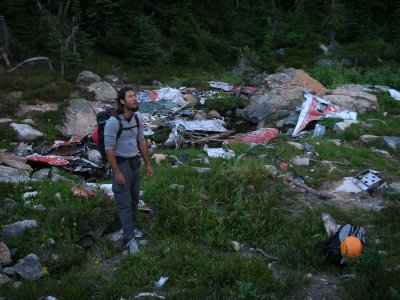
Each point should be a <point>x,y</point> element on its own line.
<point>127,144</point>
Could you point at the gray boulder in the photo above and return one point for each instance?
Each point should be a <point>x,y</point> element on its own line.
<point>28,268</point>
<point>26,132</point>
<point>5,255</point>
<point>340,127</point>
<point>353,97</point>
<point>42,173</point>
<point>392,141</point>
<point>18,165</point>
<point>86,78</point>
<point>13,175</point>
<point>80,118</point>
<point>103,91</point>
<point>368,138</point>
<point>19,227</point>
<point>280,92</point>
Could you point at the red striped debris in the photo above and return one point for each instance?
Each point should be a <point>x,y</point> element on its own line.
<point>82,192</point>
<point>49,159</point>
<point>260,136</point>
<point>283,166</point>
<point>314,108</point>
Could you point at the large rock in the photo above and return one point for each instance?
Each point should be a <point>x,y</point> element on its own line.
<point>392,141</point>
<point>13,175</point>
<point>41,174</point>
<point>5,255</point>
<point>281,91</point>
<point>353,97</point>
<point>86,78</point>
<point>28,268</point>
<point>19,227</point>
<point>80,118</point>
<point>18,165</point>
<point>8,156</point>
<point>26,132</point>
<point>103,91</point>
<point>340,127</point>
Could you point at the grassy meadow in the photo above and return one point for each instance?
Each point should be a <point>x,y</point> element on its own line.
<point>189,235</point>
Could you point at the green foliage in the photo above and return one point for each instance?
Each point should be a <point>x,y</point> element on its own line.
<point>161,134</point>
<point>331,77</point>
<point>223,103</point>
<point>8,135</point>
<point>146,42</point>
<point>56,91</point>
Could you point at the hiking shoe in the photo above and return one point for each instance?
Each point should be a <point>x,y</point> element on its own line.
<point>138,233</point>
<point>133,246</point>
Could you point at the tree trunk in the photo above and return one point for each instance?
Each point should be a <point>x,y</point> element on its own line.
<point>331,27</point>
<point>4,56</point>
<point>297,5</point>
<point>275,17</point>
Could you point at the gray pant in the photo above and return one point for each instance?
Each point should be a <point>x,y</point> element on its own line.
<point>127,195</point>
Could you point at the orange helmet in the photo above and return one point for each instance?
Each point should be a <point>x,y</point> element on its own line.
<point>351,247</point>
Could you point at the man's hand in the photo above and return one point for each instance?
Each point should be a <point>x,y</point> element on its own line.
<point>119,178</point>
<point>150,171</point>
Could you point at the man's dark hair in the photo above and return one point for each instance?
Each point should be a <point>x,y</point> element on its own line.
<point>121,96</point>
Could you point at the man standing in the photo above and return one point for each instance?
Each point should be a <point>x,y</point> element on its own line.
<point>124,142</point>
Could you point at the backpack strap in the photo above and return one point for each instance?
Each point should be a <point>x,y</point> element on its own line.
<point>121,128</point>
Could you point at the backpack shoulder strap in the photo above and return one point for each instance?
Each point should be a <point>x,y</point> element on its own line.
<point>120,126</point>
<point>137,121</point>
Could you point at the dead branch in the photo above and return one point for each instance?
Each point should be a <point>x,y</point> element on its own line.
<point>71,38</point>
<point>31,60</point>
<point>205,140</point>
<point>334,162</point>
<point>5,37</point>
<point>4,55</point>
<point>307,188</point>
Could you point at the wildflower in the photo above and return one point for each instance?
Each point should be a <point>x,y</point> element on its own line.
<point>97,261</point>
<point>45,271</point>
<point>75,224</point>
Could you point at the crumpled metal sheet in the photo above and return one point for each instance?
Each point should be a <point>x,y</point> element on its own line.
<point>314,108</point>
<point>52,160</point>
<point>260,136</point>
<point>366,181</point>
<point>204,125</point>
<point>219,152</point>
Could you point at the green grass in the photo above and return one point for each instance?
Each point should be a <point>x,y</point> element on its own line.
<point>222,103</point>
<point>189,237</point>
<point>173,76</point>
<point>334,76</point>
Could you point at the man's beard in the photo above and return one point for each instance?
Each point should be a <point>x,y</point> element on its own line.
<point>133,109</point>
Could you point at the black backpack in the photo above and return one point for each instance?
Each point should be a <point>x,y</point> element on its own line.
<point>331,246</point>
<point>102,118</point>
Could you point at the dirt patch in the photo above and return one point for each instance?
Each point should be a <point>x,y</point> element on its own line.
<point>40,106</point>
<point>324,285</point>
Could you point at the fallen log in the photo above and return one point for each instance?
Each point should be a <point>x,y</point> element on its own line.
<point>212,137</point>
<point>307,188</point>
<point>31,60</point>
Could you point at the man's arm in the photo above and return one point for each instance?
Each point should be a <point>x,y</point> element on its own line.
<point>119,177</point>
<point>142,145</point>
<point>145,155</point>
<point>110,139</point>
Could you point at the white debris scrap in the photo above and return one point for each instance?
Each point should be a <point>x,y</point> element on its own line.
<point>219,152</point>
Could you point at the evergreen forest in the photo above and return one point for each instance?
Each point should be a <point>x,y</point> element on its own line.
<point>204,34</point>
